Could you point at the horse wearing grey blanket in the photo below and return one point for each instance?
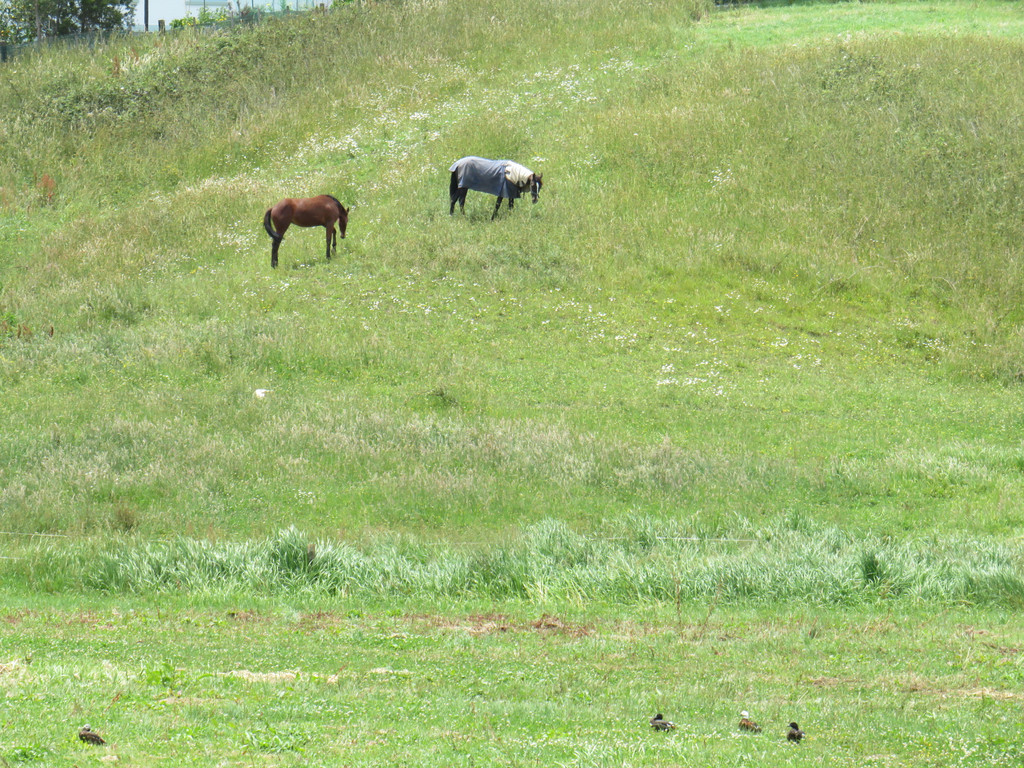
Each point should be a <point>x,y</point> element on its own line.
<point>503,178</point>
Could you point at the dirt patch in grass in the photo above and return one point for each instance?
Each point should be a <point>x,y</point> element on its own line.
<point>831,682</point>
<point>552,624</point>
<point>496,623</point>
<point>990,693</point>
<point>188,701</point>
<point>324,619</point>
<point>1003,650</point>
<point>13,668</point>
<point>17,617</point>
<point>245,617</point>
<point>282,676</point>
<point>924,687</point>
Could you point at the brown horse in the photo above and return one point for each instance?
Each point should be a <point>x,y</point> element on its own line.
<point>321,211</point>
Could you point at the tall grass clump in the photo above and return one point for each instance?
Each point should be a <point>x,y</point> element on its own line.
<point>815,564</point>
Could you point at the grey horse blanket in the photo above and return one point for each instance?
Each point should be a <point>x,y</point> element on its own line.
<point>502,178</point>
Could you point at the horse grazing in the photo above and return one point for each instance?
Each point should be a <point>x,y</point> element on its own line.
<point>321,211</point>
<point>504,178</point>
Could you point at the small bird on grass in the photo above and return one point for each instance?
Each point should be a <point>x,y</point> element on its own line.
<point>794,733</point>
<point>659,723</point>
<point>746,724</point>
<point>88,735</point>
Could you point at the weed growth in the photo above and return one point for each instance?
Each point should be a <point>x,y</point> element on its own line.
<point>813,565</point>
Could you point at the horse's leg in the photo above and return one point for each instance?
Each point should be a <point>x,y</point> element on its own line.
<point>497,208</point>
<point>330,231</point>
<point>458,196</point>
<point>280,226</point>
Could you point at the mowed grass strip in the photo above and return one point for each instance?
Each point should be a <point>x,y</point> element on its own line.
<point>340,683</point>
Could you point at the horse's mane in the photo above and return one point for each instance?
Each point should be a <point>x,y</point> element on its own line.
<point>337,202</point>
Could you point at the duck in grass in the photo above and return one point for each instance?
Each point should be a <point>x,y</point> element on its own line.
<point>659,723</point>
<point>794,733</point>
<point>89,736</point>
<point>746,724</point>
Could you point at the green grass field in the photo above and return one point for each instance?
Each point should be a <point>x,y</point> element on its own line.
<point>249,684</point>
<point>729,420</point>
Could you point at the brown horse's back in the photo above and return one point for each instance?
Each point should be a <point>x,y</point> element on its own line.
<point>315,211</point>
<point>319,211</point>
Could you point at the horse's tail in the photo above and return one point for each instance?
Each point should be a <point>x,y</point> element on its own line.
<point>453,186</point>
<point>270,229</point>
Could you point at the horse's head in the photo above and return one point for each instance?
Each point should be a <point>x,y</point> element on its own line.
<point>536,182</point>
<point>342,219</point>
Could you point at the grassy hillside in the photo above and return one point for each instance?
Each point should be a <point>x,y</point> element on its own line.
<point>769,274</point>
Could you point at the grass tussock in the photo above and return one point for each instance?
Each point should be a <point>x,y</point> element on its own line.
<point>646,561</point>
